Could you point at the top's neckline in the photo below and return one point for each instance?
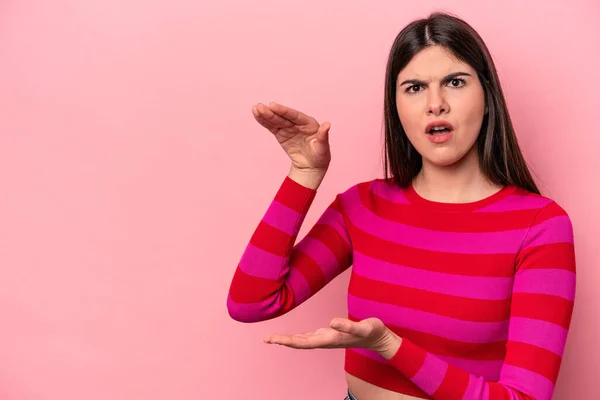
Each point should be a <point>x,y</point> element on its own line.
<point>415,198</point>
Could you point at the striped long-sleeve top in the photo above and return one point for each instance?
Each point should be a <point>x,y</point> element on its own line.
<point>481,293</point>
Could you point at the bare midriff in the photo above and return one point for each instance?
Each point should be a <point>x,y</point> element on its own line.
<point>364,390</point>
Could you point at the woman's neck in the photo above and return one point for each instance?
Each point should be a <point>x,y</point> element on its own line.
<point>461,182</point>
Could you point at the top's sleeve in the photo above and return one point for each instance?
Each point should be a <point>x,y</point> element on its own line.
<point>540,315</point>
<point>276,275</point>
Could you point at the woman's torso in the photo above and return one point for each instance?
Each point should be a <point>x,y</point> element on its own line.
<point>442,274</point>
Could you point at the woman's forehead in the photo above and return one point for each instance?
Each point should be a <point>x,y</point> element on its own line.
<point>433,62</point>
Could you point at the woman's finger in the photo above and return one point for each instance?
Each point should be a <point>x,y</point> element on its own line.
<point>351,327</point>
<point>272,118</point>
<point>325,338</point>
<point>290,114</point>
<point>314,341</point>
<point>323,132</point>
<point>295,341</point>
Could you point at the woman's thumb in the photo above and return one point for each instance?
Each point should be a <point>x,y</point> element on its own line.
<point>323,132</point>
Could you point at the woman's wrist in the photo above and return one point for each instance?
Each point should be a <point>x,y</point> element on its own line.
<point>391,345</point>
<point>308,178</point>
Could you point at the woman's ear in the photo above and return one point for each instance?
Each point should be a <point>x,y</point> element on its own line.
<point>486,110</point>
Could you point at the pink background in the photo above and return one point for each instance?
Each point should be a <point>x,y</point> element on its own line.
<point>132,175</point>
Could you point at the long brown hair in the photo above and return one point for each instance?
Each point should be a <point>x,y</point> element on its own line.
<point>500,157</point>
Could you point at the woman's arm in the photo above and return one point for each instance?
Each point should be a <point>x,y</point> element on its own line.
<point>274,275</point>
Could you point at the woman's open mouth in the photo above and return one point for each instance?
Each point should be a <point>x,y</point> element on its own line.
<point>439,131</point>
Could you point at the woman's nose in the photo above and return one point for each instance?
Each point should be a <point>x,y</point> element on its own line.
<point>436,103</point>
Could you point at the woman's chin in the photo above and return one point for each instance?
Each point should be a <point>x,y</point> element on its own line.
<point>449,156</point>
<point>443,161</point>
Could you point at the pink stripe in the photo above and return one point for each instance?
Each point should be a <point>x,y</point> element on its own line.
<point>283,218</point>
<point>262,264</point>
<point>526,381</point>
<point>543,334</point>
<point>373,355</point>
<point>516,202</point>
<point>477,389</point>
<point>488,369</point>
<point>253,312</point>
<point>430,376</point>
<point>259,311</point>
<point>299,286</point>
<point>474,287</point>
<point>553,230</point>
<point>335,220</point>
<point>556,282</point>
<point>321,255</point>
<point>446,327</point>
<point>388,192</point>
<point>452,242</point>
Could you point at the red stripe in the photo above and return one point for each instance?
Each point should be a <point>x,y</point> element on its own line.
<point>454,385</point>
<point>550,211</point>
<point>498,392</point>
<point>311,271</point>
<point>250,289</point>
<point>543,307</point>
<point>533,358</point>
<point>493,265</point>
<point>554,255</point>
<point>475,310</point>
<point>447,347</point>
<point>337,205</point>
<point>380,374</point>
<point>408,359</point>
<point>273,240</point>
<point>452,348</point>
<point>295,196</point>
<point>333,241</point>
<point>444,221</point>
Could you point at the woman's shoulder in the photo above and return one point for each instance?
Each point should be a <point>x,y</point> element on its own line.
<point>547,217</point>
<point>371,192</point>
<point>378,184</point>
<point>542,202</point>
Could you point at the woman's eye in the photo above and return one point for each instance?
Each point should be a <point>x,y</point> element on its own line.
<point>457,82</point>
<point>413,88</point>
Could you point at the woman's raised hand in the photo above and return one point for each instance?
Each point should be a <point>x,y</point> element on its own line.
<point>304,140</point>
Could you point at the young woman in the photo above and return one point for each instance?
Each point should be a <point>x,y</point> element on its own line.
<point>463,275</point>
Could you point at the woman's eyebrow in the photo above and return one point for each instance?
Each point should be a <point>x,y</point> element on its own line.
<point>448,77</point>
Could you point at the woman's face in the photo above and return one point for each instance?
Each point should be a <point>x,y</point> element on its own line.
<point>435,87</point>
